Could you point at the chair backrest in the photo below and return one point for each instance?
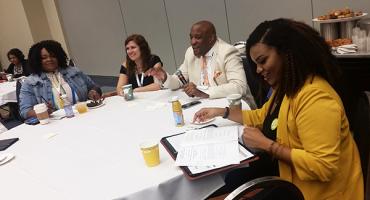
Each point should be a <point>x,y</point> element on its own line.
<point>71,62</point>
<point>361,130</point>
<point>17,92</point>
<point>240,46</point>
<point>18,88</point>
<point>360,125</point>
<point>258,89</point>
<point>367,181</point>
<point>2,128</point>
<point>268,187</point>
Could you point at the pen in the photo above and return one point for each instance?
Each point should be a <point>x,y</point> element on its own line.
<point>45,101</point>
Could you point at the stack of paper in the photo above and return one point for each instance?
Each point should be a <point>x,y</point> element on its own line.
<point>210,147</point>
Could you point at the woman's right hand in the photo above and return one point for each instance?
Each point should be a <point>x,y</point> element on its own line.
<point>207,113</point>
<point>157,72</point>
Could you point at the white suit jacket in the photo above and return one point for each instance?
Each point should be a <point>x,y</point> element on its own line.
<point>231,80</point>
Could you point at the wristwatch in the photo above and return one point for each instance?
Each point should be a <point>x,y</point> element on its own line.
<point>226,113</point>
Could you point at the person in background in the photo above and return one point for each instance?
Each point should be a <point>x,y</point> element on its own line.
<point>212,67</point>
<point>302,131</point>
<point>18,64</point>
<point>51,78</point>
<point>138,60</point>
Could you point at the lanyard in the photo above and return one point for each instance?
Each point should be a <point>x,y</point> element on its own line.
<point>140,83</point>
<point>56,80</point>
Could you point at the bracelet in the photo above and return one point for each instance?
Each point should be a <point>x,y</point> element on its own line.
<point>281,147</point>
<point>226,113</point>
<point>270,147</point>
<point>276,152</point>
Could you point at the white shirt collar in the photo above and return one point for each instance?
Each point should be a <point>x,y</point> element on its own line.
<point>211,51</point>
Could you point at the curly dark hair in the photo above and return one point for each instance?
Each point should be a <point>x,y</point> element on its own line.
<point>303,50</point>
<point>53,47</point>
<point>144,50</point>
<point>17,53</point>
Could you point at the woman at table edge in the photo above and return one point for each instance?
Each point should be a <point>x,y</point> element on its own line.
<point>18,64</point>
<point>138,60</point>
<point>313,143</point>
<point>51,79</point>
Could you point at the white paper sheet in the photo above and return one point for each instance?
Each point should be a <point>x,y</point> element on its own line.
<point>209,147</point>
<point>243,155</point>
<point>224,153</point>
<point>211,135</point>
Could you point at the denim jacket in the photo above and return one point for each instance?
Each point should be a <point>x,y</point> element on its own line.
<point>36,88</point>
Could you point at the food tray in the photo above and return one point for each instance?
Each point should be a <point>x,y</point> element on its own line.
<point>339,20</point>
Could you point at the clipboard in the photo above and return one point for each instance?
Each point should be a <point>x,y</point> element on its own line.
<point>168,142</point>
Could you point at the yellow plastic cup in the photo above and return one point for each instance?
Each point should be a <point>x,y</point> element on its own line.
<point>150,151</point>
<point>81,107</point>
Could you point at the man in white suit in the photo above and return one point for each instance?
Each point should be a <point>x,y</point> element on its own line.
<point>212,67</point>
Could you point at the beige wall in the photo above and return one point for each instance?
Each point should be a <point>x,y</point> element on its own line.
<point>15,31</point>
<point>36,17</point>
<point>54,22</point>
<point>24,22</point>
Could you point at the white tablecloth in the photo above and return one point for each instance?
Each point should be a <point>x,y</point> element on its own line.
<point>96,155</point>
<point>7,92</point>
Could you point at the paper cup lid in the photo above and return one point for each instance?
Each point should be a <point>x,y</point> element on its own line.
<point>40,107</point>
<point>148,144</point>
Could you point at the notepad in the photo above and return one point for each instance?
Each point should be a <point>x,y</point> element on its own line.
<point>173,144</point>
<point>209,146</point>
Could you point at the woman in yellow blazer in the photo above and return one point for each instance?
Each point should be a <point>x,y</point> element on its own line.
<point>303,127</point>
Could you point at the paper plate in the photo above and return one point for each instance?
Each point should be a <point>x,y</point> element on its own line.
<point>58,114</point>
<point>97,106</point>
<point>8,157</point>
<point>2,157</point>
<point>340,19</point>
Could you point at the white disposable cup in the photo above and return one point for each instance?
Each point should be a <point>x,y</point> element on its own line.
<point>42,114</point>
<point>9,77</point>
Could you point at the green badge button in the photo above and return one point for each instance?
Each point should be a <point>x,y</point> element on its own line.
<point>274,124</point>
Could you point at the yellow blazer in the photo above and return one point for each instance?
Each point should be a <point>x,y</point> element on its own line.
<point>326,162</point>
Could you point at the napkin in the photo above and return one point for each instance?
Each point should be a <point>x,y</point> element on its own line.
<point>345,49</point>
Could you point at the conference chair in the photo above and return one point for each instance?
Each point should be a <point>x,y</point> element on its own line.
<point>16,112</point>
<point>259,89</point>
<point>360,126</point>
<point>2,127</point>
<point>266,188</point>
<point>71,62</point>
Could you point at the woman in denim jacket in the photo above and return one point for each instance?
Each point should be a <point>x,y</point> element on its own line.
<point>52,81</point>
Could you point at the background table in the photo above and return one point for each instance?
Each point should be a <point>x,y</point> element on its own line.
<point>8,92</point>
<point>96,155</point>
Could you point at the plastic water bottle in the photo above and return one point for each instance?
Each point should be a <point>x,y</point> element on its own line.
<point>68,109</point>
<point>177,111</point>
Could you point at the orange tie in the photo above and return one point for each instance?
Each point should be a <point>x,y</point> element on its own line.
<point>205,71</point>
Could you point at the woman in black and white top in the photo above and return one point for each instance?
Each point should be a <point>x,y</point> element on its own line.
<point>18,65</point>
<point>138,60</point>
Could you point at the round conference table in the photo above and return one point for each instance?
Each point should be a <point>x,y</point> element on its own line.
<point>7,92</point>
<point>96,155</point>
